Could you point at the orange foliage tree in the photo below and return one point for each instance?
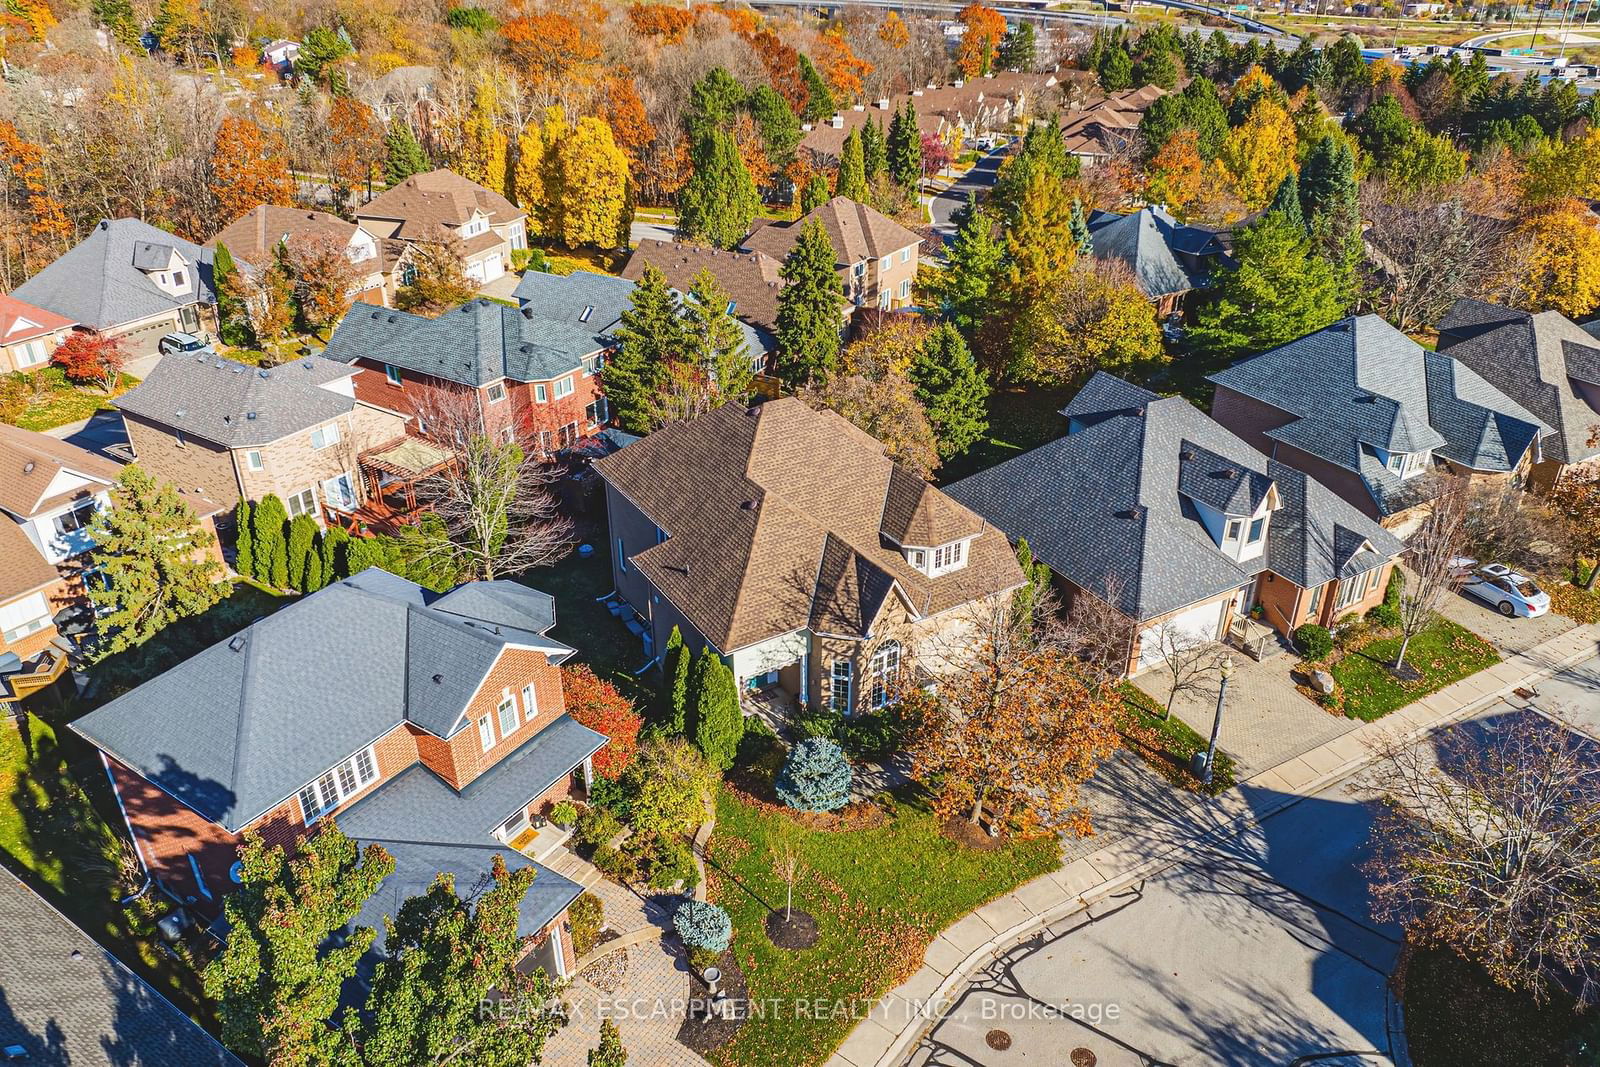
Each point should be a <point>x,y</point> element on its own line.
<point>552,48</point>
<point>985,27</point>
<point>90,359</point>
<point>36,226</point>
<point>661,21</point>
<point>782,65</point>
<point>1175,173</point>
<point>597,704</point>
<point>841,66</point>
<point>630,124</point>
<point>248,167</point>
<point>357,139</point>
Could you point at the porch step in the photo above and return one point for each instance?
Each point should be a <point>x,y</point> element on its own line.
<point>578,870</point>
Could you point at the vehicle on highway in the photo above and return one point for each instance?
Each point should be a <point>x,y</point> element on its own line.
<point>1511,594</point>
<point>182,342</point>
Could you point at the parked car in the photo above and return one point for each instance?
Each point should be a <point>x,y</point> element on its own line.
<point>182,342</point>
<point>1511,594</point>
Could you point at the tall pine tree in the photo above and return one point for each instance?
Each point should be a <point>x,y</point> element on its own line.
<point>715,340</point>
<point>953,391</point>
<point>675,684</point>
<point>402,155</point>
<point>874,152</point>
<point>718,201</point>
<point>905,149</point>
<point>271,523</point>
<point>973,258</point>
<point>819,99</point>
<point>718,719</point>
<point>852,179</point>
<point>809,306</point>
<point>650,333</point>
<point>243,541</point>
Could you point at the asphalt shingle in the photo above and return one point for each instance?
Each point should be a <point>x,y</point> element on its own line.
<point>98,281</point>
<point>235,405</point>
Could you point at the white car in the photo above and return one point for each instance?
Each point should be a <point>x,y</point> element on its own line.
<point>1509,593</point>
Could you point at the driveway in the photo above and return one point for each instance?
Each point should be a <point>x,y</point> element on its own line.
<point>503,287</point>
<point>1258,951</point>
<point>1508,635</point>
<point>658,231</point>
<point>980,179</point>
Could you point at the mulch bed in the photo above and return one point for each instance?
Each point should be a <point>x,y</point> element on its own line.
<point>705,1035</point>
<point>960,830</point>
<point>798,931</point>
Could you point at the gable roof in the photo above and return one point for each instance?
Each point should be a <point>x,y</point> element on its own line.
<point>23,568</point>
<point>21,321</point>
<point>30,463</point>
<point>96,282</point>
<point>1155,246</point>
<point>857,231</point>
<point>253,237</point>
<point>1535,359</point>
<point>1110,505</point>
<point>67,1000</point>
<point>1361,385</point>
<point>235,729</point>
<point>233,404</point>
<point>777,519</point>
<point>424,202</point>
<point>751,278</point>
<point>936,106</point>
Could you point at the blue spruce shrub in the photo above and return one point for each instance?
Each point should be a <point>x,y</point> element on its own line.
<point>703,925</point>
<point>815,777</point>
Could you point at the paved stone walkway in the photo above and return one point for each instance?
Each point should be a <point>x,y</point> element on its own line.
<point>893,1027</point>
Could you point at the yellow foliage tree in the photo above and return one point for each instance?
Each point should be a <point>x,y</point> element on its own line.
<point>594,187</point>
<point>527,182</point>
<point>1260,153</point>
<point>481,155</point>
<point>1175,173</point>
<point>892,31</point>
<point>1564,262</point>
<point>1558,170</point>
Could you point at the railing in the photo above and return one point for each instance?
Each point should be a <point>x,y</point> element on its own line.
<point>50,665</point>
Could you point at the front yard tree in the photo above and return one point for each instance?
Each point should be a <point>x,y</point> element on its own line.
<point>1488,842</point>
<point>1576,498</point>
<point>439,280</point>
<point>809,309</point>
<point>597,704</point>
<point>1431,553</point>
<point>1188,658</point>
<point>675,671</point>
<point>609,1053</point>
<point>445,953</point>
<point>1015,730</point>
<point>815,777</point>
<point>271,558</point>
<point>276,984</point>
<point>91,359</point>
<point>718,719</point>
<point>851,181</point>
<point>672,786</point>
<point>154,559</point>
<point>718,201</point>
<point>953,391</point>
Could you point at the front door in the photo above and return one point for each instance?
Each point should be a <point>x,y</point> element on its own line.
<point>513,826</point>
<point>1246,600</point>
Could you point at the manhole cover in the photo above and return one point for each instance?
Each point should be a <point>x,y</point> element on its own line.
<point>1082,1057</point>
<point>998,1040</point>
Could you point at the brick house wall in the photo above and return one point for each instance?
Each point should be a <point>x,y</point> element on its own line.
<point>193,464</point>
<point>290,465</point>
<point>514,669</point>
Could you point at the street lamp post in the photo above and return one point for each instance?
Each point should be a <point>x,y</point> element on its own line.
<point>1216,723</point>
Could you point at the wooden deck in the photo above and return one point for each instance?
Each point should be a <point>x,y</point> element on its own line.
<point>38,672</point>
<point>377,516</point>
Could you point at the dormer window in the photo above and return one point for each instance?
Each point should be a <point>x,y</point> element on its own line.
<point>940,560</point>
<point>1257,528</point>
<point>947,556</point>
<point>1409,464</point>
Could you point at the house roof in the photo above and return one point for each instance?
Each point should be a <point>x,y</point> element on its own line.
<point>67,1000</point>
<point>234,404</point>
<point>424,202</point>
<point>1111,506</point>
<point>935,106</point>
<point>235,729</point>
<point>1150,242</point>
<point>1105,123</point>
<point>1361,385</point>
<point>23,568</point>
<point>777,519</point>
<point>97,283</point>
<point>751,278</point>
<point>1534,358</point>
<point>857,231</point>
<point>254,236</point>
<point>21,321</point>
<point>38,471</point>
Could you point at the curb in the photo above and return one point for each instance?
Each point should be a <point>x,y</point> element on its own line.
<point>931,1007</point>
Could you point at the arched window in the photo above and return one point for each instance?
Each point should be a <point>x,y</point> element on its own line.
<point>881,673</point>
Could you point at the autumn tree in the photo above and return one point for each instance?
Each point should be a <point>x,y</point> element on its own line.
<point>438,277</point>
<point>1092,318</point>
<point>325,281</point>
<point>597,704</point>
<point>36,228</point>
<point>1259,153</point>
<point>248,168</point>
<point>1432,552</point>
<point>892,31</point>
<point>88,358</point>
<point>1563,269</point>
<point>481,151</point>
<point>887,408</point>
<point>593,186</point>
<point>1175,173</point>
<point>986,28</point>
<point>839,64</point>
<point>662,21</point>
<point>553,51</point>
<point>358,147</point>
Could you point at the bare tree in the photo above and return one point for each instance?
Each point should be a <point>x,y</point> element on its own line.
<point>1189,658</point>
<point>785,852</point>
<point>1432,554</point>
<point>1098,633</point>
<point>1490,844</point>
<point>499,516</point>
<point>1508,525</point>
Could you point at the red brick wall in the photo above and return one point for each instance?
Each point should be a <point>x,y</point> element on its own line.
<point>515,668</point>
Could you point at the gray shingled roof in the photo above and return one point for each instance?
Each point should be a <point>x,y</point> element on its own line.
<point>235,405</point>
<point>65,999</point>
<point>1166,256</point>
<point>1110,504</point>
<point>1360,385</point>
<point>1535,359</point>
<point>235,729</point>
<point>99,283</point>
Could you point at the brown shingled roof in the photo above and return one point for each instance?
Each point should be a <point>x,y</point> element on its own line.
<point>751,278</point>
<point>30,461</point>
<point>254,235</point>
<point>857,231</point>
<point>22,568</point>
<point>776,521</point>
<point>424,202</point>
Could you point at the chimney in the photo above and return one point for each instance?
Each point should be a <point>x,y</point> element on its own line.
<point>858,107</point>
<point>916,92</point>
<point>883,103</point>
<point>959,82</point>
<point>837,122</point>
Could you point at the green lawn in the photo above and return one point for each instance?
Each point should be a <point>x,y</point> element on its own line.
<point>879,897</point>
<point>1168,743</point>
<point>1021,417</point>
<point>1444,653</point>
<point>59,402</point>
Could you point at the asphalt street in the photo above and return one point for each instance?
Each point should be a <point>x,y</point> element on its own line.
<point>979,179</point>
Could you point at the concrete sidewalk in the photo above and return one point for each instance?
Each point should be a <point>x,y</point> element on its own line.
<point>884,1038</point>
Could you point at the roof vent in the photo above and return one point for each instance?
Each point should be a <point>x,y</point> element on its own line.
<point>438,679</point>
<point>227,418</point>
<point>105,224</point>
<point>753,410</point>
<point>527,313</point>
<point>75,955</point>
<point>238,370</point>
<point>392,318</point>
<point>1186,455</point>
<point>201,358</point>
<point>749,505</point>
<point>238,643</point>
<point>250,416</point>
<point>264,373</point>
<point>27,468</point>
<point>308,364</point>
<point>180,413</point>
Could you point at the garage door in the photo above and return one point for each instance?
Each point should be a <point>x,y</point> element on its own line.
<point>492,269</point>
<point>1200,623</point>
<point>475,271</point>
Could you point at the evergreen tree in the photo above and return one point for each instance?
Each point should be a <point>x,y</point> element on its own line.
<point>819,100</point>
<point>1287,200</point>
<point>334,544</point>
<point>1018,47</point>
<point>118,17</point>
<point>1081,238</point>
<point>302,541</point>
<point>1279,291</point>
<point>952,390</point>
<point>1042,152</point>
<point>809,309</point>
<point>1329,203</point>
<point>313,577</point>
<point>814,194</point>
<point>1115,69</point>
<point>609,1053</point>
<point>718,201</point>
<point>243,541</point>
<point>1156,67</point>
<point>402,154</point>
<point>874,152</point>
<point>154,560</point>
<point>1038,580</point>
<point>852,179</point>
<point>714,101</point>
<point>233,318</point>
<point>649,334</point>
<point>718,719</point>
<point>715,340</point>
<point>905,149</point>
<point>973,262</point>
<point>780,126</point>
<point>675,687</point>
<point>270,524</point>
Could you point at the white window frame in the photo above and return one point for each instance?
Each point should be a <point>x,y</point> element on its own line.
<point>329,436</point>
<point>905,288</point>
<point>885,665</point>
<point>563,387</point>
<point>337,785</point>
<point>905,254</point>
<point>1258,530</point>
<point>295,498</point>
<point>253,461</point>
<point>530,702</point>
<point>540,394</point>
<point>391,374</point>
<point>592,363</point>
<point>508,707</point>
<point>486,732</point>
<point>30,354</point>
<point>494,388</point>
<point>82,513</point>
<point>837,701</point>
<point>601,409</point>
<point>28,626</point>
<point>886,264</point>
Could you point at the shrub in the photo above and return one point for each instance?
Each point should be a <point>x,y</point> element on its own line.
<point>597,704</point>
<point>613,794</point>
<point>672,863</point>
<point>1385,615</point>
<point>815,777</point>
<point>672,785</point>
<point>874,735</point>
<point>819,722</point>
<point>1396,586</point>
<point>564,813</point>
<point>596,826</point>
<point>703,925</point>
<point>701,958</point>
<point>615,864</point>
<point>90,359</point>
<point>586,916</point>
<point>1313,641</point>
